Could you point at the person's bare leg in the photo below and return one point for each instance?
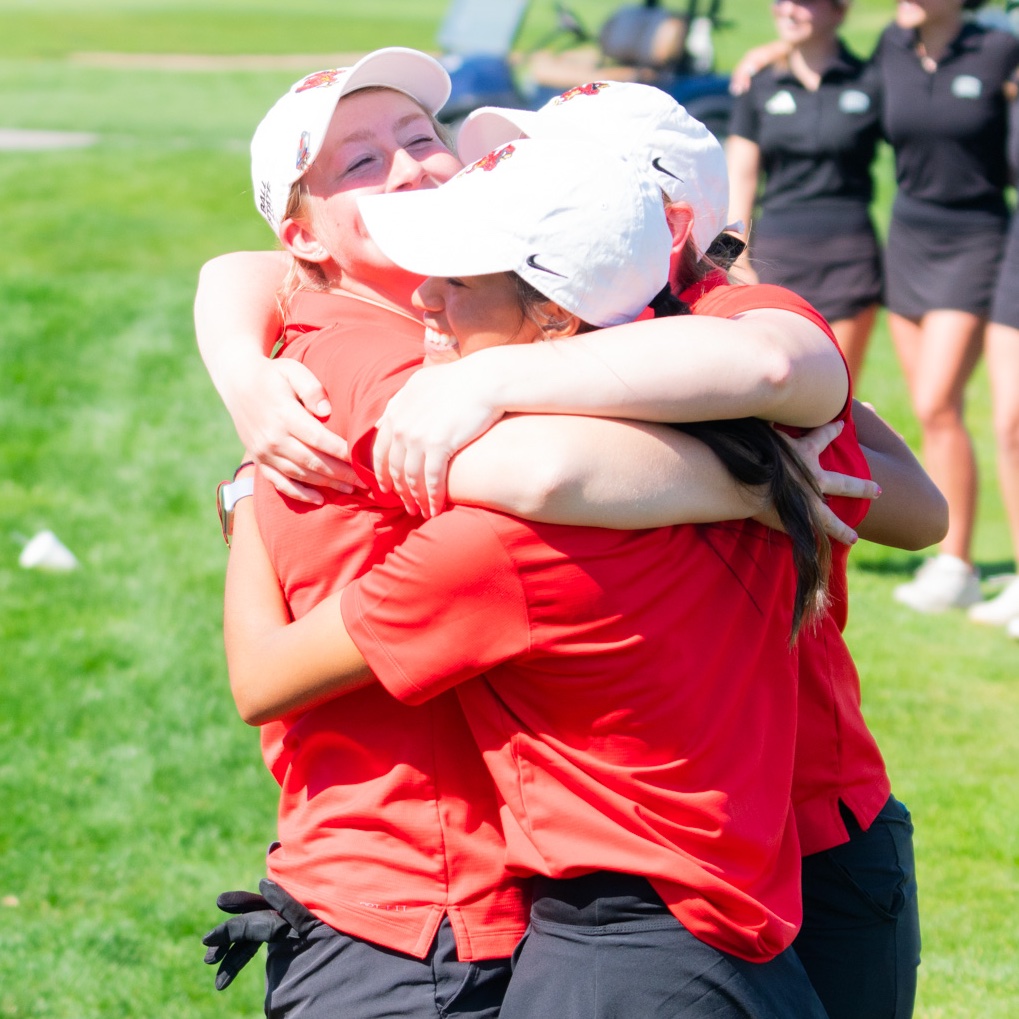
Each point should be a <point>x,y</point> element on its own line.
<point>1002,346</point>
<point>950,348</point>
<point>907,338</point>
<point>938,356</point>
<point>853,335</point>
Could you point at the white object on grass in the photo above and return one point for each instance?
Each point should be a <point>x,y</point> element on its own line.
<point>47,552</point>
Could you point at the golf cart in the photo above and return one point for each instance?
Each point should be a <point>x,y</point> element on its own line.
<point>649,43</point>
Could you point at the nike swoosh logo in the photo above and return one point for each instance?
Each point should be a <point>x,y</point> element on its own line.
<point>533,263</point>
<point>657,164</point>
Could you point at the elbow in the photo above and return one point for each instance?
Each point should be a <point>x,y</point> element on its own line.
<point>253,717</point>
<point>541,496</point>
<point>925,524</point>
<point>808,395</point>
<point>932,525</point>
<point>251,710</point>
<point>805,382</point>
<point>779,378</point>
<point>251,703</point>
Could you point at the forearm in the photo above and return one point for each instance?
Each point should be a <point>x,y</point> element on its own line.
<point>775,365</point>
<point>237,318</point>
<point>743,158</point>
<point>912,513</point>
<point>599,472</point>
<point>276,666</point>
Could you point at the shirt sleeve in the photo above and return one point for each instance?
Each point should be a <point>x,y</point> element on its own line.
<point>744,121</point>
<point>445,606</point>
<point>1013,140</point>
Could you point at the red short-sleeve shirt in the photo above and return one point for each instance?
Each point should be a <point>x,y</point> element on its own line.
<point>387,819</point>
<point>637,705</point>
<point>837,757</point>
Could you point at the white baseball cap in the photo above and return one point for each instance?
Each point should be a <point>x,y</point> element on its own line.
<point>584,227</point>
<point>290,136</point>
<point>639,121</point>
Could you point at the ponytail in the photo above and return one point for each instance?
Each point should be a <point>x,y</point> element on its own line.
<point>757,456</point>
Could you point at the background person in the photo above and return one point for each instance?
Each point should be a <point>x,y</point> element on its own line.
<point>945,84</point>
<point>1002,352</point>
<point>807,129</point>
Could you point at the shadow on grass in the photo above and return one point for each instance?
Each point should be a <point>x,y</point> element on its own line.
<point>906,567</point>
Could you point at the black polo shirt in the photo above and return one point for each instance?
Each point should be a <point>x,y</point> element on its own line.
<point>1013,141</point>
<point>816,147</point>
<point>948,128</point>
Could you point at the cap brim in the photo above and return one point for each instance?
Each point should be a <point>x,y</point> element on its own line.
<point>435,232</point>
<point>409,71</point>
<point>491,126</point>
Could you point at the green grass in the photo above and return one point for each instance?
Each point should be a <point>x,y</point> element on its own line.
<point>130,792</point>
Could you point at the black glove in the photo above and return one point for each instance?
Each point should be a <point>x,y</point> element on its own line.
<point>235,942</point>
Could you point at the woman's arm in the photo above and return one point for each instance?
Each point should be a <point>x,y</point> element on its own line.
<point>603,472</point>
<point>743,157</point>
<point>600,472</point>
<point>276,666</point>
<point>911,513</point>
<point>772,364</point>
<point>273,404</point>
<point>755,60</point>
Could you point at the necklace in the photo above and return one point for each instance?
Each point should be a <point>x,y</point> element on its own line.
<point>377,304</point>
<point>927,62</point>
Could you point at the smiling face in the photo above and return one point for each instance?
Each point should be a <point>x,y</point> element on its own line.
<point>925,13</point>
<point>474,312</point>
<point>804,21</point>
<point>379,141</point>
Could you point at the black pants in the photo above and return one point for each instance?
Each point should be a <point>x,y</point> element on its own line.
<point>605,946</point>
<point>860,942</point>
<point>328,975</point>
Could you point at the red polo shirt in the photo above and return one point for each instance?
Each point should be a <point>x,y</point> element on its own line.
<point>837,757</point>
<point>387,819</point>
<point>637,705</point>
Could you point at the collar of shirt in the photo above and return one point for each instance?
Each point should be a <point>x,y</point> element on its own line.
<point>967,41</point>
<point>845,65</point>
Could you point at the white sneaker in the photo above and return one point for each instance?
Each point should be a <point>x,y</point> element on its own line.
<point>944,582</point>
<point>1001,609</point>
<point>1012,629</point>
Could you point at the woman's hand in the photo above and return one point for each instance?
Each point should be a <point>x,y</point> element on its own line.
<point>276,407</point>
<point>438,411</point>
<point>754,61</point>
<point>809,447</point>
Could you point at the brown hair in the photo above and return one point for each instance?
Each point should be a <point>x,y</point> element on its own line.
<point>757,456</point>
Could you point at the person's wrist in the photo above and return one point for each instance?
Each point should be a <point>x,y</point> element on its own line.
<point>229,495</point>
<point>497,378</point>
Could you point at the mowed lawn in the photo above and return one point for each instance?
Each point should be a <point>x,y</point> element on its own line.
<point>130,792</point>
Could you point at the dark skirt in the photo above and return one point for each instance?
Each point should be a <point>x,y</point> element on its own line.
<point>1005,309</point>
<point>939,258</point>
<point>838,273</point>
